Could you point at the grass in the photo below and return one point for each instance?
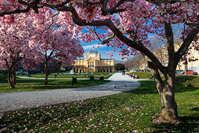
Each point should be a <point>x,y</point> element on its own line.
<point>38,84</point>
<point>142,75</point>
<point>125,112</point>
<point>96,75</point>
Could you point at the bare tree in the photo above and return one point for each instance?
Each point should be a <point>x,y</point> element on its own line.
<point>134,63</point>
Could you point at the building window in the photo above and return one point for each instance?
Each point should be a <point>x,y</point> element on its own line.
<point>90,64</point>
<point>197,53</point>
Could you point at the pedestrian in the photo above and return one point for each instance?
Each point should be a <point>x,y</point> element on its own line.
<point>133,75</point>
<point>136,76</point>
<point>28,75</point>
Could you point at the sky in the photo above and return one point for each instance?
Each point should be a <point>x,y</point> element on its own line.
<point>102,50</point>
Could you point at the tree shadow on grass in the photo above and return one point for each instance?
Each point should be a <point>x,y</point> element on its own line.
<point>58,84</point>
<point>149,87</point>
<point>61,112</point>
<point>195,109</point>
<point>188,124</point>
<point>3,78</point>
<point>180,89</point>
<point>30,80</point>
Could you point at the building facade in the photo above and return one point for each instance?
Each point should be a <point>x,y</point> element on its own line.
<point>160,53</point>
<point>192,58</point>
<point>92,62</point>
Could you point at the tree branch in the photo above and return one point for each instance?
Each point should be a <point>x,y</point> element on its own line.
<point>112,10</point>
<point>170,43</point>
<point>86,3</point>
<point>157,77</point>
<point>158,2</point>
<point>15,11</point>
<point>51,23</point>
<point>34,5</point>
<point>181,51</point>
<point>107,39</point>
<point>55,6</point>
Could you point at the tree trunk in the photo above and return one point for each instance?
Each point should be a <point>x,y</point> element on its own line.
<point>185,67</point>
<point>169,111</point>
<point>46,74</point>
<point>14,73</point>
<point>10,79</point>
<point>46,79</point>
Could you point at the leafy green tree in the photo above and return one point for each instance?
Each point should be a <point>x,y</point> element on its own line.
<point>119,66</point>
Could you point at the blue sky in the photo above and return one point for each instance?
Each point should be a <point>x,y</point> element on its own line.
<point>102,50</point>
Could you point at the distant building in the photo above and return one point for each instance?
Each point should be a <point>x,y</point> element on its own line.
<point>92,62</point>
<point>192,58</point>
<point>160,53</point>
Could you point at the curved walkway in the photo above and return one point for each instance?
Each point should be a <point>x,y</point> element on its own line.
<point>20,100</point>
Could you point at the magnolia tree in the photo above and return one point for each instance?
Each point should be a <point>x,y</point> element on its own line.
<point>126,24</point>
<point>58,45</point>
<point>54,41</point>
<point>34,36</point>
<point>14,46</point>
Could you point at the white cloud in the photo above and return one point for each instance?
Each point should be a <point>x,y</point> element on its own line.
<point>87,47</point>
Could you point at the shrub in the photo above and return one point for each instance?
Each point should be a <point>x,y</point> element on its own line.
<point>188,81</point>
<point>92,78</point>
<point>101,78</point>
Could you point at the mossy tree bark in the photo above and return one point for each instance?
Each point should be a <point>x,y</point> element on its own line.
<point>169,111</point>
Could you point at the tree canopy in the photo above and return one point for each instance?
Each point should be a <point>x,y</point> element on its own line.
<point>119,66</point>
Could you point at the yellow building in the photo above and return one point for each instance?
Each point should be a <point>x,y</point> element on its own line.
<point>92,62</point>
<point>192,58</point>
<point>160,53</point>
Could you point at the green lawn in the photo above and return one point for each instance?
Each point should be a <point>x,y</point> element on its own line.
<point>38,84</point>
<point>142,75</point>
<point>96,75</point>
<point>132,111</point>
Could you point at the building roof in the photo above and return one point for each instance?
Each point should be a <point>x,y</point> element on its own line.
<point>92,51</point>
<point>107,59</point>
<point>80,58</point>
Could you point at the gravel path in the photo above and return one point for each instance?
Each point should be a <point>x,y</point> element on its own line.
<point>20,100</point>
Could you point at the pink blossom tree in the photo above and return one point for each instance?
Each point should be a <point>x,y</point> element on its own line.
<point>58,45</point>
<point>126,25</point>
<point>14,45</point>
<point>54,41</point>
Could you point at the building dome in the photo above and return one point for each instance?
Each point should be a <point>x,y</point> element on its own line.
<point>92,51</point>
